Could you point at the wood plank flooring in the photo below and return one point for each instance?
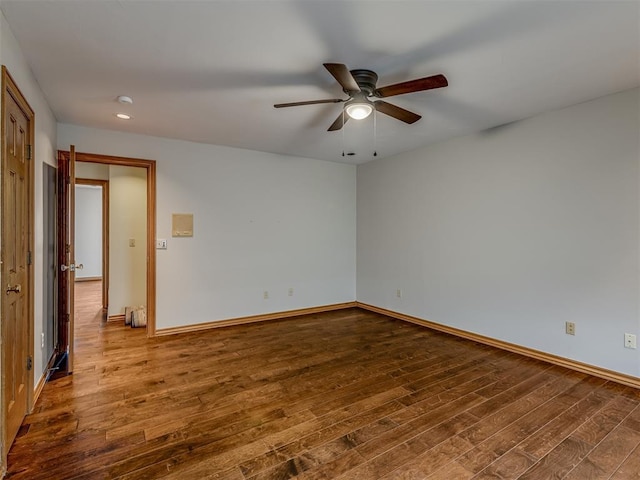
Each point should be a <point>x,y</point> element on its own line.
<point>343,395</point>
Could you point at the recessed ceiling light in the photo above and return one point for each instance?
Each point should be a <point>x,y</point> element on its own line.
<point>123,116</point>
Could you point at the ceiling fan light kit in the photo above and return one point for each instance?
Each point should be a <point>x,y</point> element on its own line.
<point>359,110</point>
<point>360,85</point>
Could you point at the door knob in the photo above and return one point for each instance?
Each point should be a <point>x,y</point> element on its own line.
<point>17,288</point>
<point>72,268</point>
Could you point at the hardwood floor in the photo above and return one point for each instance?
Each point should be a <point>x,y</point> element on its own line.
<point>346,395</point>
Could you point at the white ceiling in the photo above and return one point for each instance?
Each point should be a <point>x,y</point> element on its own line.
<point>210,71</point>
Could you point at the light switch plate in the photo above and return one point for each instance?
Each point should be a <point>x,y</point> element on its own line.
<point>161,244</point>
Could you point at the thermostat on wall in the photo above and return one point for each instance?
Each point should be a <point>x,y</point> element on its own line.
<point>182,225</point>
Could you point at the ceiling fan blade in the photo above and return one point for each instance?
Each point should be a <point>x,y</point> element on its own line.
<point>418,85</point>
<point>342,74</point>
<point>310,102</point>
<point>339,123</point>
<point>396,112</point>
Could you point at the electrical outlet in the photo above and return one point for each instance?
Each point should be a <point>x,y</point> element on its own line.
<point>161,244</point>
<point>629,340</point>
<point>291,292</point>
<point>132,242</point>
<point>399,293</point>
<point>265,295</point>
<point>570,328</point>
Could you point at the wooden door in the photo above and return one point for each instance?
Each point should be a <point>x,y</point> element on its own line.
<point>66,259</point>
<point>16,259</point>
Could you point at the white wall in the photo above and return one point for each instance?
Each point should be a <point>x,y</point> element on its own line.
<point>127,221</point>
<point>511,233</point>
<point>45,151</point>
<point>261,222</point>
<point>88,231</point>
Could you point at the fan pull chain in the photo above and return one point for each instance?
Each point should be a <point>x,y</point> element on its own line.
<point>375,132</point>
<point>342,131</point>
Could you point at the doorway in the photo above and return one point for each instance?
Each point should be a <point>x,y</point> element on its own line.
<point>149,167</point>
<point>92,233</point>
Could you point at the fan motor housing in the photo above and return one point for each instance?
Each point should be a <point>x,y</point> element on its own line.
<point>366,80</point>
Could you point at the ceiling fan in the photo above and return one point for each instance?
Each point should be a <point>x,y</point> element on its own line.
<point>360,85</point>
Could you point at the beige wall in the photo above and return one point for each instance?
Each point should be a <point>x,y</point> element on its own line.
<point>127,221</point>
<point>94,171</point>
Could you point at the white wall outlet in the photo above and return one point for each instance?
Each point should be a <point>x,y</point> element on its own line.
<point>265,294</point>
<point>629,340</point>
<point>132,242</point>
<point>291,292</point>
<point>161,243</point>
<point>399,293</point>
<point>570,328</point>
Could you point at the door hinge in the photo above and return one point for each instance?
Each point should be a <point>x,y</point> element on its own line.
<point>29,261</point>
<point>29,362</point>
<point>67,248</point>
<point>28,152</point>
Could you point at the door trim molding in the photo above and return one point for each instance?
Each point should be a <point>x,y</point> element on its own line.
<point>150,166</point>
<point>10,88</point>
